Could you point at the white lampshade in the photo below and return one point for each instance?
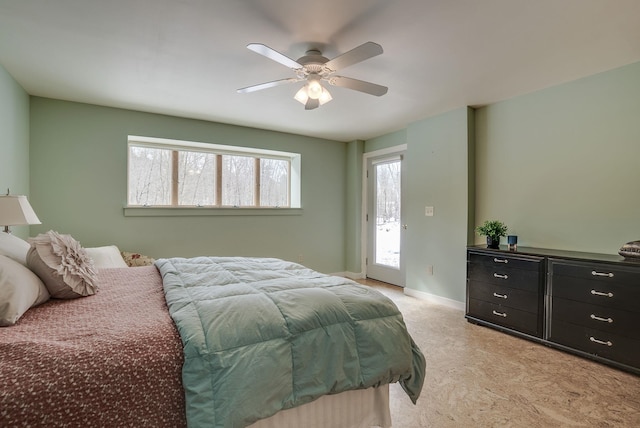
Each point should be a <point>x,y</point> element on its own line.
<point>301,95</point>
<point>325,97</point>
<point>15,210</point>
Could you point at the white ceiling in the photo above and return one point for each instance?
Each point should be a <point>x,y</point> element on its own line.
<point>187,57</point>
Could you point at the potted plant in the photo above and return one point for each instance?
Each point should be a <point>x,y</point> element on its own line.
<point>493,230</point>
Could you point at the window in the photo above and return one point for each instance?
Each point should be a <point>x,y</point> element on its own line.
<point>170,173</point>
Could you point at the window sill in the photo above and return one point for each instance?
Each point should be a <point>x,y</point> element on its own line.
<point>194,211</point>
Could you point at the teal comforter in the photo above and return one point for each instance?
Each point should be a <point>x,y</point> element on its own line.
<point>262,335</point>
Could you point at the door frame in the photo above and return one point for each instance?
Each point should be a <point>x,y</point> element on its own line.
<point>364,236</point>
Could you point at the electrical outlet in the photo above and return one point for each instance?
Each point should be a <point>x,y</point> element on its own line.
<point>428,211</point>
<point>300,258</point>
<point>429,269</point>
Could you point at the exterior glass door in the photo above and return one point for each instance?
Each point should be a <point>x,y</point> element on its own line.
<point>385,220</point>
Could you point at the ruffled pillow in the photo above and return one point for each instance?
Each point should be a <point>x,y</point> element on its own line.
<point>63,265</point>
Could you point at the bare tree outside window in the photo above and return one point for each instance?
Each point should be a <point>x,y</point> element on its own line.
<point>388,188</point>
<point>238,180</point>
<point>196,178</point>
<point>149,176</point>
<point>274,183</point>
<point>173,173</point>
<point>388,192</point>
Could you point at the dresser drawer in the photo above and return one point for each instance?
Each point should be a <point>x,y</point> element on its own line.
<point>526,322</point>
<point>528,280</point>
<point>607,345</point>
<point>607,273</point>
<point>596,292</point>
<point>608,320</point>
<point>505,296</point>
<point>506,261</point>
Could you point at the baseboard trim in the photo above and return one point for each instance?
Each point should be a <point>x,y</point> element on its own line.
<point>354,275</point>
<point>439,300</point>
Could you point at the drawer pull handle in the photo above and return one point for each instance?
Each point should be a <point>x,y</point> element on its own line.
<point>500,260</point>
<point>597,318</point>
<point>497,275</point>
<point>599,293</point>
<point>601,342</point>
<point>608,275</point>
<point>502,296</point>
<point>500,314</point>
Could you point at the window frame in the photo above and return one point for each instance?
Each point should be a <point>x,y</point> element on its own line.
<point>176,146</point>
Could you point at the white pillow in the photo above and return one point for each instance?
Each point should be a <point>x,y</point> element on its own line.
<point>106,257</point>
<point>20,289</point>
<point>63,265</point>
<point>14,247</point>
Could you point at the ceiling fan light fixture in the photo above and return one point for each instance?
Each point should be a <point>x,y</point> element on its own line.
<point>314,68</point>
<point>325,97</point>
<point>302,96</point>
<point>314,89</point>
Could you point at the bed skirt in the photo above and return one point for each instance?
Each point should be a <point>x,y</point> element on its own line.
<point>361,408</point>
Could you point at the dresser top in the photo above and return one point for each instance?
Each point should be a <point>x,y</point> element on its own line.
<point>548,252</point>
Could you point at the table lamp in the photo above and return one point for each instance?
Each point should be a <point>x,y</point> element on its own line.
<point>15,210</point>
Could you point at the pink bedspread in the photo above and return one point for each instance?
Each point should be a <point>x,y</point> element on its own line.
<point>109,360</point>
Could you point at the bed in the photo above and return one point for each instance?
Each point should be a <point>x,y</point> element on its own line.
<point>164,346</point>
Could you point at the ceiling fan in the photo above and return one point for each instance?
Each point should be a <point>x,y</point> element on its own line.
<point>315,68</point>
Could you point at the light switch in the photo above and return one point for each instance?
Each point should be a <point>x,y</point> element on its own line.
<point>428,211</point>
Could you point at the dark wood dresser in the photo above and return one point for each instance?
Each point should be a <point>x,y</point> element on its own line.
<point>506,290</point>
<point>584,303</point>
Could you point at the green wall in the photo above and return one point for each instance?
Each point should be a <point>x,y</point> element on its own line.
<point>385,141</point>
<point>561,166</point>
<point>436,164</point>
<point>78,186</point>
<point>437,156</point>
<point>558,166</point>
<point>14,141</point>
<point>353,213</point>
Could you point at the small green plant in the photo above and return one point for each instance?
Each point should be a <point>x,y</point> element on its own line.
<point>493,229</point>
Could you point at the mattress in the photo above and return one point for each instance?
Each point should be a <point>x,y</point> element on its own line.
<point>362,408</point>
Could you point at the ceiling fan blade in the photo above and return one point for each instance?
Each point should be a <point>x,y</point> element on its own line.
<point>355,55</point>
<point>311,104</point>
<point>358,85</point>
<point>266,85</point>
<point>273,55</point>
